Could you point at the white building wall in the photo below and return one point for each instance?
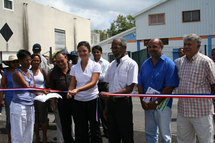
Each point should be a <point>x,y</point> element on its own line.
<point>14,20</point>
<point>173,14</point>
<point>42,21</point>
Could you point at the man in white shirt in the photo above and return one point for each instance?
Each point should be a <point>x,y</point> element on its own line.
<point>122,77</point>
<point>102,85</point>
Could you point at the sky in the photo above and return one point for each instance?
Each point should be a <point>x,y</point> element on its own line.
<point>101,12</point>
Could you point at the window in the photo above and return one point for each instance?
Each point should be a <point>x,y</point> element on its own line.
<point>8,4</point>
<point>157,19</point>
<point>60,39</point>
<point>191,16</point>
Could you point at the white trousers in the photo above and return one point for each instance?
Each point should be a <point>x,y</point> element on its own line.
<point>190,128</point>
<point>22,123</point>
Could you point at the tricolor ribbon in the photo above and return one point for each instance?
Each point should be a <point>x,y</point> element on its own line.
<point>166,95</point>
<point>28,89</point>
<point>129,95</point>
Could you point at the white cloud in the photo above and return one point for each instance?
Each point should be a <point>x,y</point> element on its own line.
<point>101,12</point>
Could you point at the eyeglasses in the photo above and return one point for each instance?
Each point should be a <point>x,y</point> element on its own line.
<point>114,48</point>
<point>60,61</point>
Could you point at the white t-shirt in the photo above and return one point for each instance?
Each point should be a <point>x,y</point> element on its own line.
<point>83,78</point>
<point>122,75</point>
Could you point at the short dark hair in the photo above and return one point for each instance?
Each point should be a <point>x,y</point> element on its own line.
<point>97,47</point>
<point>84,43</point>
<point>22,54</point>
<point>34,55</point>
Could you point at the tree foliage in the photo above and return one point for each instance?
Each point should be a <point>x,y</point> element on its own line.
<point>122,23</point>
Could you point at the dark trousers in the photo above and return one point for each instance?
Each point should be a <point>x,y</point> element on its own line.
<point>84,113</point>
<point>103,86</point>
<point>66,110</point>
<point>120,119</point>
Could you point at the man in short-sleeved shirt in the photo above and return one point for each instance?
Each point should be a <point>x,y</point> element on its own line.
<point>121,76</point>
<point>196,76</point>
<point>158,73</point>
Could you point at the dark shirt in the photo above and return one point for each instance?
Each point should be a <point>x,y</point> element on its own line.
<point>60,81</point>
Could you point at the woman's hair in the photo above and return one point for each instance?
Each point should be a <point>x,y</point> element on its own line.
<point>34,55</point>
<point>22,54</point>
<point>84,43</point>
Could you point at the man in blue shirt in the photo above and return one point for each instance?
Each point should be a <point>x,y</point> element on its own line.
<point>158,74</point>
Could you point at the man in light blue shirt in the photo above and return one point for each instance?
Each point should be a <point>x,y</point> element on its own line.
<point>157,73</point>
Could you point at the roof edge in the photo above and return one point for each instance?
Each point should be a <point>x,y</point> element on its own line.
<point>110,39</point>
<point>150,7</point>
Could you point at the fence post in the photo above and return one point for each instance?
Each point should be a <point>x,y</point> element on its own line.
<point>50,55</point>
<point>209,45</point>
<point>138,45</point>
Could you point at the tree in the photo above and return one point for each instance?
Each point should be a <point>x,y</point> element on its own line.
<point>103,34</point>
<point>122,23</point>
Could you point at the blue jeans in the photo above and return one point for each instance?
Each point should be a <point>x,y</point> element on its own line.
<point>155,119</point>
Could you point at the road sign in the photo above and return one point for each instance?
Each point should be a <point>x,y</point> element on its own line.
<point>6,32</point>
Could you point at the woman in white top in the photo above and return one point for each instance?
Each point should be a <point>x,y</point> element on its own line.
<point>41,108</point>
<point>83,87</point>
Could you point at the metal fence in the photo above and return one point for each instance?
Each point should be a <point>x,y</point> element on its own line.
<point>169,51</point>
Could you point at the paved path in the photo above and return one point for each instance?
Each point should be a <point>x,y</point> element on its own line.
<point>138,113</point>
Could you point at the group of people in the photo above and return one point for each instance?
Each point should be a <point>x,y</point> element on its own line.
<point>193,73</point>
<point>90,82</point>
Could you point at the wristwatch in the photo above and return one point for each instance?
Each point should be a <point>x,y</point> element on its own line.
<point>156,102</point>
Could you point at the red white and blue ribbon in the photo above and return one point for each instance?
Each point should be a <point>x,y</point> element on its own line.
<point>166,95</point>
<point>28,89</point>
<point>109,94</point>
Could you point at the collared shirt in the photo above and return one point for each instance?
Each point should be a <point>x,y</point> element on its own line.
<point>83,78</point>
<point>60,81</point>
<point>163,74</point>
<point>195,77</point>
<point>122,75</point>
<point>104,65</point>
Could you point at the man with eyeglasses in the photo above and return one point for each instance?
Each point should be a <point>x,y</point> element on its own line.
<point>158,74</point>
<point>122,77</point>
